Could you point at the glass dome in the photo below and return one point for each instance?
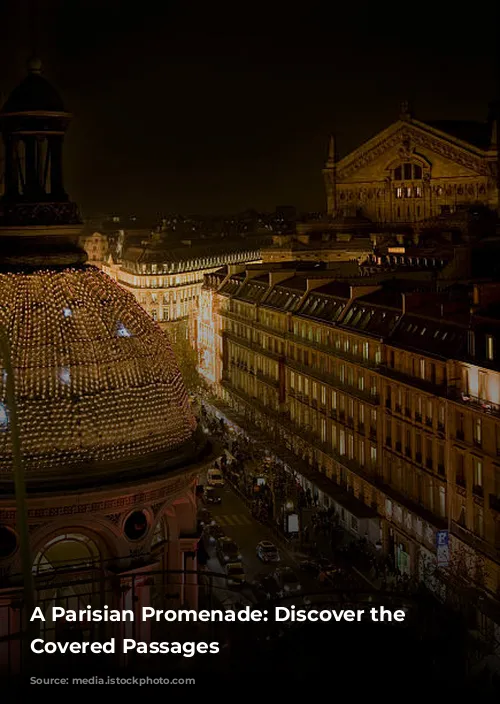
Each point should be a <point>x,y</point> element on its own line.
<point>96,379</point>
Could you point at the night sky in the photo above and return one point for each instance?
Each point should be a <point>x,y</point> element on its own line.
<point>215,107</point>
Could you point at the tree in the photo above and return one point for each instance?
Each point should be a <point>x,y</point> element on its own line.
<point>187,359</point>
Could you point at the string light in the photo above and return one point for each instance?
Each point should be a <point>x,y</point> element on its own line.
<point>96,379</point>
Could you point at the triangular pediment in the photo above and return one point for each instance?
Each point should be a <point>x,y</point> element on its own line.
<point>405,137</point>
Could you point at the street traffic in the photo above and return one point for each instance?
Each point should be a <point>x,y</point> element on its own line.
<point>253,568</point>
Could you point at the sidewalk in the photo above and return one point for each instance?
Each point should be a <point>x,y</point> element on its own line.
<point>302,548</point>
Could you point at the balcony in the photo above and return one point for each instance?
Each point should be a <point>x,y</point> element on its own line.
<point>333,352</point>
<point>250,345</point>
<point>478,404</point>
<point>477,490</point>
<point>333,381</point>
<point>269,381</point>
<point>428,386</point>
<point>479,544</point>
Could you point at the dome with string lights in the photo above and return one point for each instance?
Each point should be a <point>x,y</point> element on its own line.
<point>96,379</point>
<point>98,392</point>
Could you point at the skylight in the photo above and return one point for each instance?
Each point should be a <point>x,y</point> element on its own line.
<point>4,417</point>
<point>121,331</point>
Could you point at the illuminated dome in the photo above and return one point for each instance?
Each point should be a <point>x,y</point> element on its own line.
<point>99,395</point>
<point>96,379</point>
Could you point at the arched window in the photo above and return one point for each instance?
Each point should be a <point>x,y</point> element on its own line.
<point>68,551</point>
<point>407,179</point>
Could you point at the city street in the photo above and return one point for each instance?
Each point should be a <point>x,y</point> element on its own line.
<point>235,519</point>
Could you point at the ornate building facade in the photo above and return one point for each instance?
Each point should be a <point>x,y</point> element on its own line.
<point>166,279</point>
<point>387,397</point>
<point>415,170</point>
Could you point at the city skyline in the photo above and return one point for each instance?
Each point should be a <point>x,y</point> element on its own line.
<point>199,112</point>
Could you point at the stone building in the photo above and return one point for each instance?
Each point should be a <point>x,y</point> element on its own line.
<point>166,278</point>
<point>415,170</point>
<point>386,392</point>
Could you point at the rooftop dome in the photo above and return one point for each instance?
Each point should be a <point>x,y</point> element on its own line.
<point>34,93</point>
<point>98,389</point>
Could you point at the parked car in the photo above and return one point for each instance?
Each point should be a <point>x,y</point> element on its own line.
<point>215,477</point>
<point>235,573</point>
<point>228,551</point>
<point>287,581</point>
<point>267,551</point>
<point>211,496</point>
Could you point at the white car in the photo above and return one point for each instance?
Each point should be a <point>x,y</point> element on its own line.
<point>267,551</point>
<point>215,478</point>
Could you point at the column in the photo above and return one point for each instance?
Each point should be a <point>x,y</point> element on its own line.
<point>56,180</point>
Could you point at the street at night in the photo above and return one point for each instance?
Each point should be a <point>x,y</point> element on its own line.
<point>235,520</point>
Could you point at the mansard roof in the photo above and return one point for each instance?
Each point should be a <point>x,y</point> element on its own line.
<point>430,336</point>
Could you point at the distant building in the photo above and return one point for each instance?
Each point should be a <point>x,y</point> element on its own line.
<point>166,278</point>
<point>415,170</point>
<point>96,246</point>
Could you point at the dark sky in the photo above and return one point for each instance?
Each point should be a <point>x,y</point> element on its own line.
<point>216,107</point>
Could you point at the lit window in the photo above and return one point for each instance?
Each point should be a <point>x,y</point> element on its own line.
<point>490,347</point>
<point>478,472</point>
<point>399,192</point>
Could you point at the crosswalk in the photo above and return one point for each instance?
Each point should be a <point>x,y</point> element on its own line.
<point>234,519</point>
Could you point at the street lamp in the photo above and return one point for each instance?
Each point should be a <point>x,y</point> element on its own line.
<point>19,484</point>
